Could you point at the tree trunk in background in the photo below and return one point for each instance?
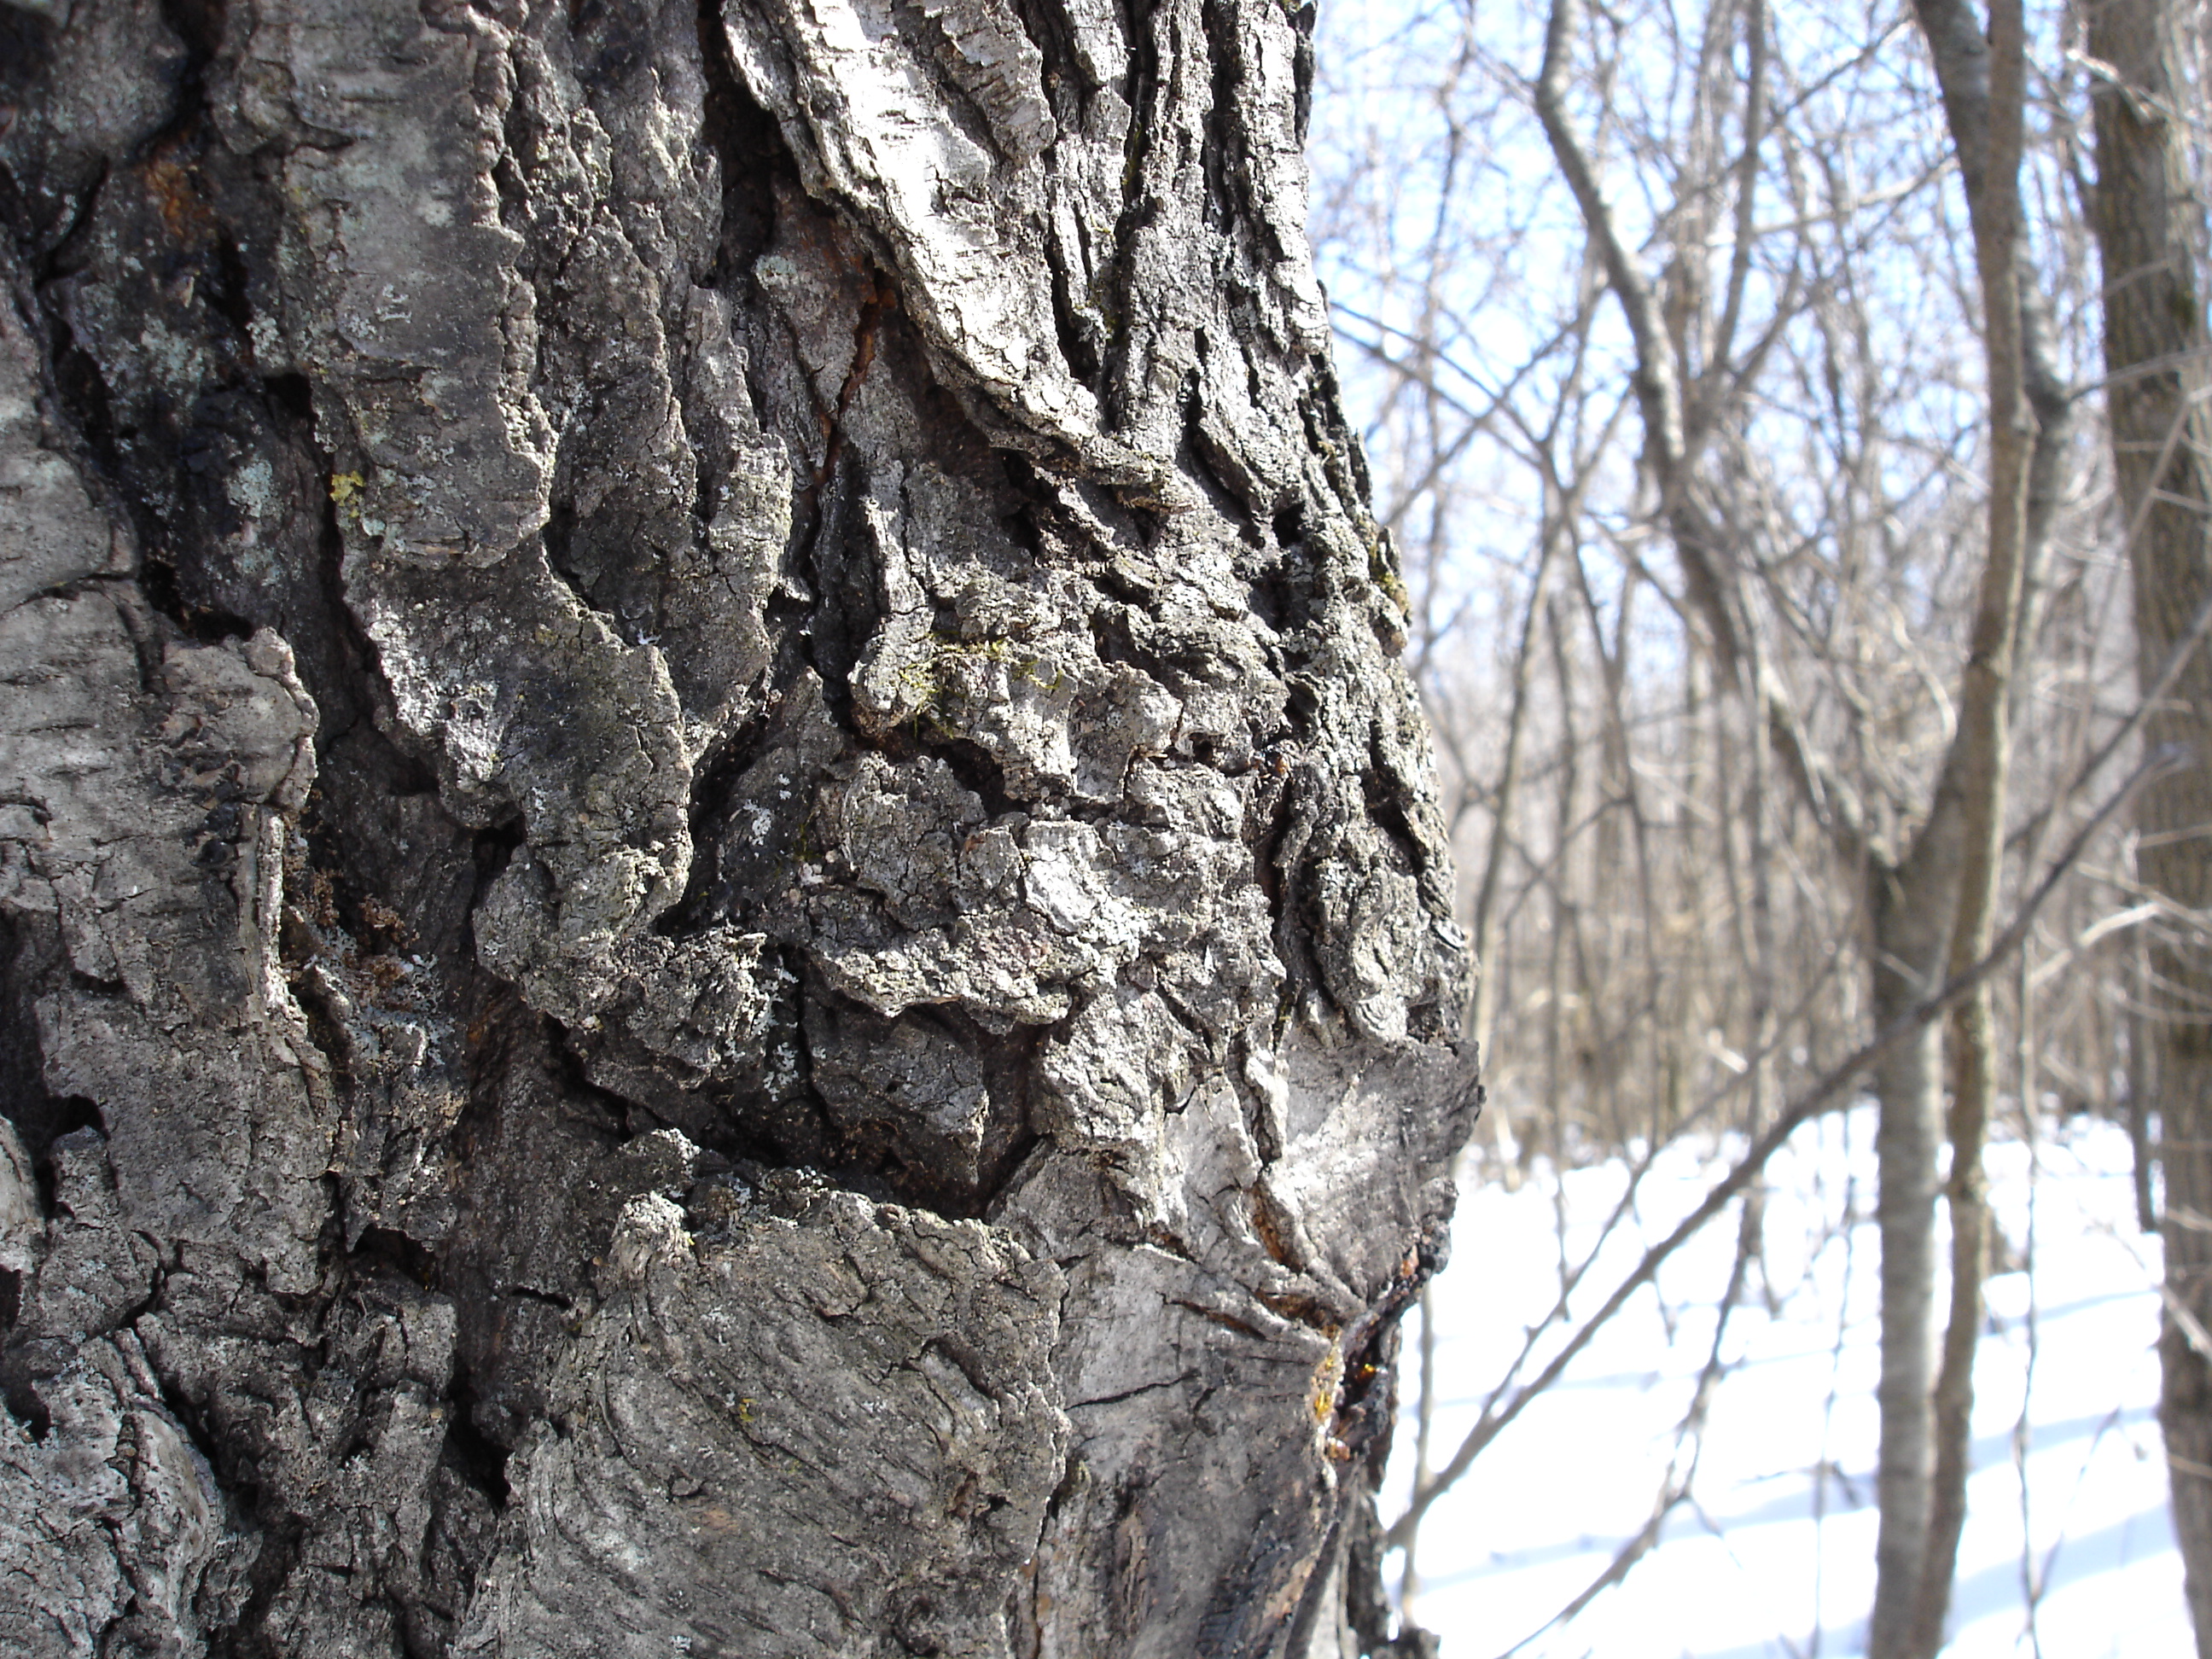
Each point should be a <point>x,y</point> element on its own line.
<point>1917,927</point>
<point>1910,909</point>
<point>2148,221</point>
<point>1983,81</point>
<point>722,927</point>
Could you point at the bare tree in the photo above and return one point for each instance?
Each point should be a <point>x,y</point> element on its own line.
<point>1983,75</point>
<point>2149,225</point>
<point>1866,469</point>
<point>1929,901</point>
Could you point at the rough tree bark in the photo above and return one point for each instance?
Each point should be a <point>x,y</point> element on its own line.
<point>722,925</point>
<point>2149,221</point>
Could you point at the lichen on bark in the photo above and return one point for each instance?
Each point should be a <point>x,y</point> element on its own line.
<point>724,922</point>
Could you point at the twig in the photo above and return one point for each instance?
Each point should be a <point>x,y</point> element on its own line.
<point>1674,1491</point>
<point>1816,1100</point>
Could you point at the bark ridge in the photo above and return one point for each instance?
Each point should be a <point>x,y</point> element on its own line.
<point>722,923</point>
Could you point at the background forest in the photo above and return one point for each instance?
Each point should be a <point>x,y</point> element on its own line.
<point>1817,696</point>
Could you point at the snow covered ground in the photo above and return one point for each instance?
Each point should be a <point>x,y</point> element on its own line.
<point>2068,1551</point>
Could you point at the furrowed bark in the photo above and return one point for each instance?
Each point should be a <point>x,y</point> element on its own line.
<point>2148,225</point>
<point>722,924</point>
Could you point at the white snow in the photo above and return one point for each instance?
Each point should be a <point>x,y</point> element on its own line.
<point>1773,1554</point>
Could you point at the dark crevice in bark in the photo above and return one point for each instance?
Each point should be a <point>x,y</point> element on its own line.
<point>1115,641</point>
<point>192,1419</point>
<point>978,770</point>
<point>745,142</point>
<point>352,845</point>
<point>145,435</point>
<point>1214,1315</point>
<point>1344,458</point>
<point>1021,524</point>
<point>1137,213</point>
<point>1066,86</point>
<point>881,300</point>
<point>162,451</point>
<point>807,1095</point>
<point>558,537</point>
<point>30,958</point>
<point>411,1646</point>
<point>916,1175</point>
<point>227,296</point>
<point>73,1115</point>
<point>381,1252</point>
<point>471,1453</point>
<point>549,1298</point>
<point>1076,344</point>
<point>292,397</point>
<point>59,257</point>
<point>1023,1141</point>
<point>27,52</point>
<point>197,25</point>
<point>1269,1225</point>
<point>282,1536</point>
<point>159,581</point>
<point>1367,1602</point>
<point>609,1124</point>
<point>1385,800</point>
<point>720,1125</point>
<point>1266,821</point>
<point>492,849</point>
<point>337,662</point>
<point>709,897</point>
<point>21,1396</point>
<point>1367,1399</point>
<point>610,42</point>
<point>1303,68</point>
<point>81,391</point>
<point>492,1017</point>
<point>845,612</point>
<point>714,783</point>
<point>1202,461</point>
<point>1281,588</point>
<point>14,212</point>
<point>1315,1603</point>
<point>1218,154</point>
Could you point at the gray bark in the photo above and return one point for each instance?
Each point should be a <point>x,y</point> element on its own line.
<point>2149,224</point>
<point>1954,869</point>
<point>722,924</point>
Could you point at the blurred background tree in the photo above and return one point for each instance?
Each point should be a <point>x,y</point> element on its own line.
<point>1734,386</point>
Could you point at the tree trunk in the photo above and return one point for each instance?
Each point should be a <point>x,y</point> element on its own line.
<point>722,925</point>
<point>1982,72</point>
<point>2148,231</point>
<point>1910,908</point>
<point>1929,907</point>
